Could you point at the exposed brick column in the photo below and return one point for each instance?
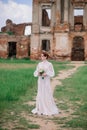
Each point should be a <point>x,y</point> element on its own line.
<point>35,20</point>
<point>85,17</point>
<point>58,10</point>
<point>66,11</point>
<point>35,30</point>
<point>71,15</point>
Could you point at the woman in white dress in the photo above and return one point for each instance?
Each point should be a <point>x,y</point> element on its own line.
<point>45,104</point>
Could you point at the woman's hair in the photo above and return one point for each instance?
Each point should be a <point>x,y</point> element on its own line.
<point>45,54</point>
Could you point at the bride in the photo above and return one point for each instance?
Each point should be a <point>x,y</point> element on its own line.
<point>45,104</point>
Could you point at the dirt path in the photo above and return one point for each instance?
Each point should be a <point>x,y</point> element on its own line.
<point>65,74</point>
<point>46,122</point>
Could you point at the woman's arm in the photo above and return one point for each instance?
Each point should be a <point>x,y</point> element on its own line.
<point>36,72</point>
<point>50,71</point>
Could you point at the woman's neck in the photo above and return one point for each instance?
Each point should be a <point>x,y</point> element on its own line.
<point>44,60</point>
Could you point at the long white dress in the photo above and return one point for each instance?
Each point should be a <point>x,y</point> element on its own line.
<point>44,101</point>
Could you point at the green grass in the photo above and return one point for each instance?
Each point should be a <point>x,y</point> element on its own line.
<point>25,60</point>
<point>73,94</point>
<point>18,86</point>
<point>3,129</point>
<point>13,82</point>
<point>26,123</point>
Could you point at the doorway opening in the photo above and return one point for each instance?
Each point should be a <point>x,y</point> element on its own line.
<point>77,53</point>
<point>12,49</point>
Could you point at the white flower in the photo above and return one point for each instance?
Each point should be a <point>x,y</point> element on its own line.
<point>41,71</point>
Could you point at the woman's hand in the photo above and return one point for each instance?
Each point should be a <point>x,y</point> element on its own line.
<point>44,74</point>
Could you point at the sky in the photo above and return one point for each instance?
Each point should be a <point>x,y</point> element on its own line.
<point>19,11</point>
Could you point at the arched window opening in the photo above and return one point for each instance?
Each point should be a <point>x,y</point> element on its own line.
<point>27,30</point>
<point>46,16</point>
<point>78,19</point>
<point>45,45</point>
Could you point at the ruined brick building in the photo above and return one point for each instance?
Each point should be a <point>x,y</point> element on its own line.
<point>57,30</point>
<point>13,42</point>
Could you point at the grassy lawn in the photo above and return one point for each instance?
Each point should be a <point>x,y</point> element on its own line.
<point>18,86</point>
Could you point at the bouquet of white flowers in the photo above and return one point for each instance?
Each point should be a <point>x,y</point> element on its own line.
<point>41,71</point>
